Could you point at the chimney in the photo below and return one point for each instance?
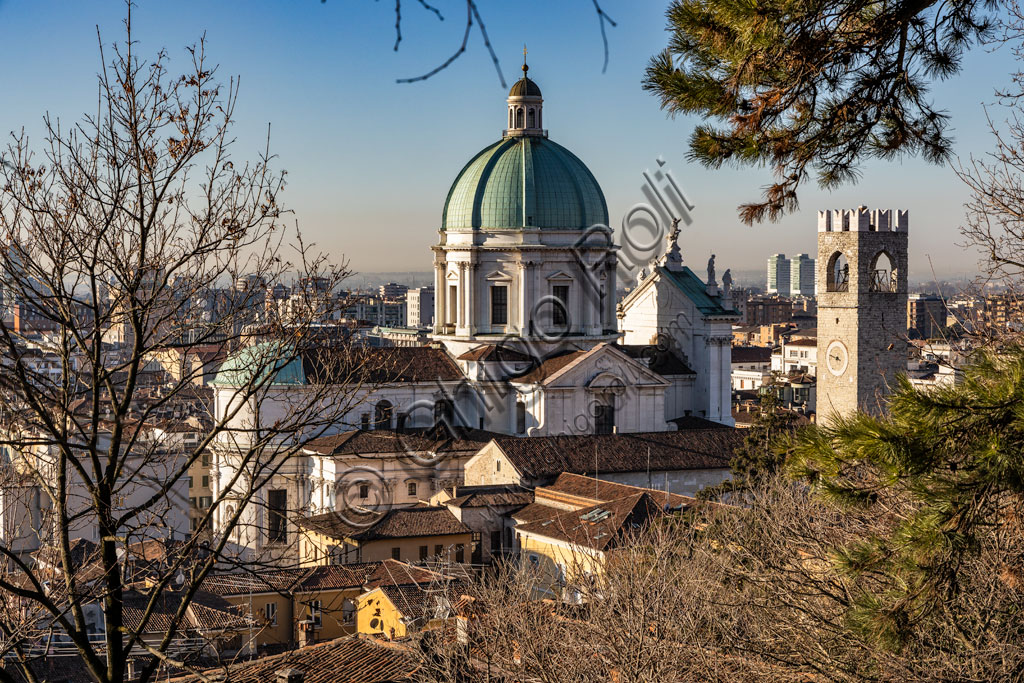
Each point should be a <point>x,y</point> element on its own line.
<point>289,676</point>
<point>306,637</point>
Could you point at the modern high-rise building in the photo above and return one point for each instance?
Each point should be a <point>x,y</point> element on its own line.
<point>801,275</point>
<point>778,275</point>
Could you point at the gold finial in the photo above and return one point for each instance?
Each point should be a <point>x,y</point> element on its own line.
<point>525,67</point>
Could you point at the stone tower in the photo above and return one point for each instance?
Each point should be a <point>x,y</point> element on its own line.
<point>862,307</point>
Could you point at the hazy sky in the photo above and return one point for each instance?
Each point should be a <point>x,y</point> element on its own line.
<point>370,161</point>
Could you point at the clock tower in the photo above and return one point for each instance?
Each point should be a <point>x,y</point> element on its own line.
<point>862,307</point>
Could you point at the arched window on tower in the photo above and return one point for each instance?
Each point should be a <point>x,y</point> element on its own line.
<point>883,274</point>
<point>519,118</point>
<point>531,119</point>
<point>837,275</point>
<point>511,123</point>
<point>382,415</point>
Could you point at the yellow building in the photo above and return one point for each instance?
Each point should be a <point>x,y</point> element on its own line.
<point>301,606</point>
<point>567,532</point>
<point>392,611</point>
<point>414,534</point>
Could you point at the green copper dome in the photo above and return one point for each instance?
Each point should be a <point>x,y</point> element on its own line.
<point>525,182</point>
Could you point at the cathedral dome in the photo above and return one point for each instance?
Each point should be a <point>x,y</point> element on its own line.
<point>525,181</point>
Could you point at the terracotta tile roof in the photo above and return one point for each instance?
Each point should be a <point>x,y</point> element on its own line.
<point>378,365</point>
<point>207,612</point>
<point>802,342</point>
<point>544,457</point>
<point>584,491</point>
<point>489,496</point>
<point>322,578</point>
<point>417,602</point>
<point>495,353</point>
<point>534,512</point>
<point>549,367</point>
<point>751,354</point>
<point>353,659</point>
<point>600,526</point>
<point>396,523</point>
<point>389,442</point>
<point>262,581</point>
<point>365,575</point>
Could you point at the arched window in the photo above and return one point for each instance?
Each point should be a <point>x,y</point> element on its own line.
<point>837,274</point>
<point>444,412</point>
<point>382,415</point>
<point>520,417</point>
<point>883,274</point>
<point>511,123</point>
<point>519,118</point>
<point>531,118</point>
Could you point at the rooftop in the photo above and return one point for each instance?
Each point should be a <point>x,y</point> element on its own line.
<point>395,523</point>
<point>549,456</point>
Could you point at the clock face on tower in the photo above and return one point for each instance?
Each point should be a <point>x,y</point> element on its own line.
<point>837,358</point>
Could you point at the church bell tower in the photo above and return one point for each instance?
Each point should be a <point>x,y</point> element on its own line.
<point>862,308</point>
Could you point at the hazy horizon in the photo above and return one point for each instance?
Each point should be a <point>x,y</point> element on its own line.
<point>370,161</point>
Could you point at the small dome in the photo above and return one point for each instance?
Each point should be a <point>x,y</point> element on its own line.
<point>525,182</point>
<point>524,87</point>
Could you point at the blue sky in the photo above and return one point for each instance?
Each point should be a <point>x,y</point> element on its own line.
<point>370,161</point>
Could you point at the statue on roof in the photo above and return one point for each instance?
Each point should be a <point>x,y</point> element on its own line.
<point>711,270</point>
<point>727,282</point>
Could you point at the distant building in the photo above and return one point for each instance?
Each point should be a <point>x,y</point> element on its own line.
<point>393,290</point>
<point>419,307</point>
<point>767,310</point>
<point>801,275</point>
<point>926,315</point>
<point>778,275</point>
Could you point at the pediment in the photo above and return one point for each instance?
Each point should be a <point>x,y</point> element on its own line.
<point>605,367</point>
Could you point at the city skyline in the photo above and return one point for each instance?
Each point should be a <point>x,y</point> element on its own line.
<point>352,140</point>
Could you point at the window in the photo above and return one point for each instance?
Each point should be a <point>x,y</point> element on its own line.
<point>497,466</point>
<point>452,310</point>
<point>402,418</point>
<point>495,541</point>
<point>190,482</point>
<point>444,412</point>
<point>560,306</point>
<point>205,502</point>
<point>424,552</point>
<point>396,553</point>
<point>364,421</point>
<point>270,612</point>
<point>206,459</point>
<point>206,481</point>
<point>499,305</point>
<point>382,415</point>
<point>520,417</point>
<point>531,117</point>
<point>348,611</point>
<point>364,491</point>
<point>411,488</point>
<point>460,552</point>
<point>604,419</point>
<point>316,613</point>
<point>277,521</point>
<point>438,550</point>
